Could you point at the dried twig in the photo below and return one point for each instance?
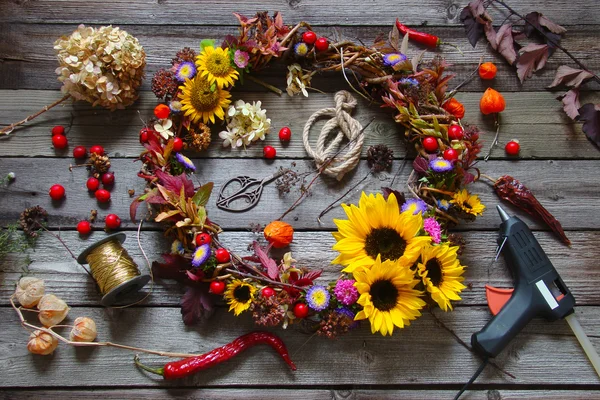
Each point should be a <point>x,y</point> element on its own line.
<point>7,130</point>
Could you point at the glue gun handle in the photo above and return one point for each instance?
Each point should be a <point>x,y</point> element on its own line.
<point>501,329</point>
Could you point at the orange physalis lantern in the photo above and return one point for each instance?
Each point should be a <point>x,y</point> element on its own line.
<point>455,108</point>
<point>279,234</point>
<point>487,70</point>
<point>491,102</point>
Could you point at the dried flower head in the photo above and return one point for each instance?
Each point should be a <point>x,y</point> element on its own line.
<point>52,310</point>
<point>184,55</point>
<point>379,157</point>
<point>33,219</point>
<point>29,291</point>
<point>102,66</point>
<point>84,330</point>
<point>334,324</point>
<point>297,80</point>
<point>199,137</point>
<point>164,84</point>
<point>99,164</point>
<point>270,311</point>
<point>42,343</point>
<point>246,123</point>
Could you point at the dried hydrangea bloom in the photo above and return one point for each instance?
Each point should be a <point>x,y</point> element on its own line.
<point>246,123</point>
<point>84,330</point>
<point>297,80</point>
<point>102,66</point>
<point>52,310</point>
<point>29,291</point>
<point>41,343</point>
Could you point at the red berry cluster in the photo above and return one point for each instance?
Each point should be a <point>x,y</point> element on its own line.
<point>310,38</point>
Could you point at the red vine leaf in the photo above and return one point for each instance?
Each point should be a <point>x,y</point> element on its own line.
<point>196,305</point>
<point>570,77</point>
<point>590,115</point>
<point>532,58</point>
<point>175,183</point>
<point>268,263</point>
<point>552,27</point>
<point>505,43</point>
<point>570,102</point>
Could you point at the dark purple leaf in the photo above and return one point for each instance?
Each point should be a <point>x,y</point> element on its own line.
<point>590,115</point>
<point>532,58</point>
<point>196,305</point>
<point>303,282</point>
<point>570,102</point>
<point>420,165</point>
<point>505,43</point>
<point>473,29</point>
<point>172,267</point>
<point>174,183</point>
<point>570,77</point>
<point>196,275</point>
<point>268,263</point>
<point>386,191</point>
<point>468,178</point>
<point>537,24</point>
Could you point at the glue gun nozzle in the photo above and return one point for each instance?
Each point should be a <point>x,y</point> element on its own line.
<point>503,215</point>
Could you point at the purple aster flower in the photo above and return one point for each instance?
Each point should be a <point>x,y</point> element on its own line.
<point>440,165</point>
<point>201,255</point>
<point>392,59</point>
<point>240,58</point>
<point>409,82</point>
<point>433,229</point>
<point>317,297</point>
<point>347,312</point>
<point>345,292</point>
<point>415,206</point>
<point>186,70</point>
<point>301,49</point>
<point>185,161</point>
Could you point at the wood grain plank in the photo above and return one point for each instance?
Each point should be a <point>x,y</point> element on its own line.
<point>420,354</point>
<point>578,265</point>
<point>566,188</point>
<point>533,118</point>
<point>352,12</point>
<point>30,64</point>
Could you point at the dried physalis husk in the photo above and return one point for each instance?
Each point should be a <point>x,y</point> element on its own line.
<point>29,291</point>
<point>52,310</point>
<point>42,343</point>
<point>84,330</point>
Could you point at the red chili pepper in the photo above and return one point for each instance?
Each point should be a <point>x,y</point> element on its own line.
<point>191,365</point>
<point>419,37</point>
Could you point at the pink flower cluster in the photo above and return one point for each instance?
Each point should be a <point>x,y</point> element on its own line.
<point>433,229</point>
<point>345,292</point>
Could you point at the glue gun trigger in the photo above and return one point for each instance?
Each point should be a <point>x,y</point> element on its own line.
<point>497,298</point>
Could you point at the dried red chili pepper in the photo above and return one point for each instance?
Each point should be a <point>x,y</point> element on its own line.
<point>419,37</point>
<point>513,191</point>
<point>191,365</point>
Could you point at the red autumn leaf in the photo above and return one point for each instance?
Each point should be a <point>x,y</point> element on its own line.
<point>532,58</point>
<point>268,263</point>
<point>570,77</point>
<point>570,102</point>
<point>590,115</point>
<point>174,183</point>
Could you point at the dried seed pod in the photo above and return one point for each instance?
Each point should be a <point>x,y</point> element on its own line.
<point>41,343</point>
<point>52,310</point>
<point>29,291</point>
<point>84,330</point>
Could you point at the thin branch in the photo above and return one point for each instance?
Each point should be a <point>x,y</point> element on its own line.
<point>7,130</point>
<point>333,203</point>
<point>260,278</point>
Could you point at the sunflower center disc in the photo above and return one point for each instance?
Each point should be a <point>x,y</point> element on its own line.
<point>202,98</point>
<point>384,295</point>
<point>386,242</point>
<point>434,271</point>
<point>242,294</point>
<point>218,64</point>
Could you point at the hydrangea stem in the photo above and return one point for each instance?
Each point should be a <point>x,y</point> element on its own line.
<point>8,129</point>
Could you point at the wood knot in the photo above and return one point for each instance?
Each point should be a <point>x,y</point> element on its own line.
<point>294,3</point>
<point>366,358</point>
<point>494,395</point>
<point>342,394</point>
<point>452,11</point>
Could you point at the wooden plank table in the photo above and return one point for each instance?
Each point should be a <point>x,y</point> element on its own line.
<point>421,362</point>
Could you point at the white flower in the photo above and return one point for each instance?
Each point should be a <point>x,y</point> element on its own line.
<point>297,80</point>
<point>246,123</point>
<point>164,128</point>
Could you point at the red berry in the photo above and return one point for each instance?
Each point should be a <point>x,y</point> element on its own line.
<point>84,228</point>
<point>268,292</point>
<point>202,238</point>
<point>222,255</point>
<point>79,152</point>
<point>512,148</point>
<point>57,192</point>
<point>309,37</point>
<point>285,134</point>
<point>321,44</point>
<point>97,149</point>
<point>144,135</point>
<point>92,184</point>
<point>301,310</point>
<point>102,195</point>
<point>269,152</point>
<point>58,130</point>
<point>177,145</point>
<point>450,154</point>
<point>112,221</point>
<point>60,141</point>
<point>430,144</point>
<point>455,132</point>
<point>108,178</point>
<point>217,287</point>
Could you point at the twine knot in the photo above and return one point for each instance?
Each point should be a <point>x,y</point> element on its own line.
<point>350,128</point>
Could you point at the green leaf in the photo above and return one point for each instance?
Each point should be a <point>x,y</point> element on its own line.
<point>203,194</point>
<point>213,87</point>
<point>413,110</point>
<point>206,43</point>
<point>202,215</point>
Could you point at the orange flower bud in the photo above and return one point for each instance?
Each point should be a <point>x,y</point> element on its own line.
<point>162,111</point>
<point>279,234</point>
<point>455,108</point>
<point>491,102</point>
<point>487,70</point>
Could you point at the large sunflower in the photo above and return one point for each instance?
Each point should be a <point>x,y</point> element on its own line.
<point>215,65</point>
<point>200,102</point>
<point>469,203</point>
<point>239,296</point>
<point>387,295</point>
<point>377,228</point>
<point>441,272</point>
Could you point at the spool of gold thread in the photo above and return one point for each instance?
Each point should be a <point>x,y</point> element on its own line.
<point>113,269</point>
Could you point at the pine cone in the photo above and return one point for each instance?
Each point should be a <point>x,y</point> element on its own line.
<point>164,84</point>
<point>200,138</point>
<point>379,157</point>
<point>32,219</point>
<point>184,55</point>
<point>99,164</point>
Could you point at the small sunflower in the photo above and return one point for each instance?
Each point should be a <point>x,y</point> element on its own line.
<point>199,102</point>
<point>215,65</point>
<point>469,203</point>
<point>388,296</point>
<point>239,296</point>
<point>441,272</point>
<point>376,228</point>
